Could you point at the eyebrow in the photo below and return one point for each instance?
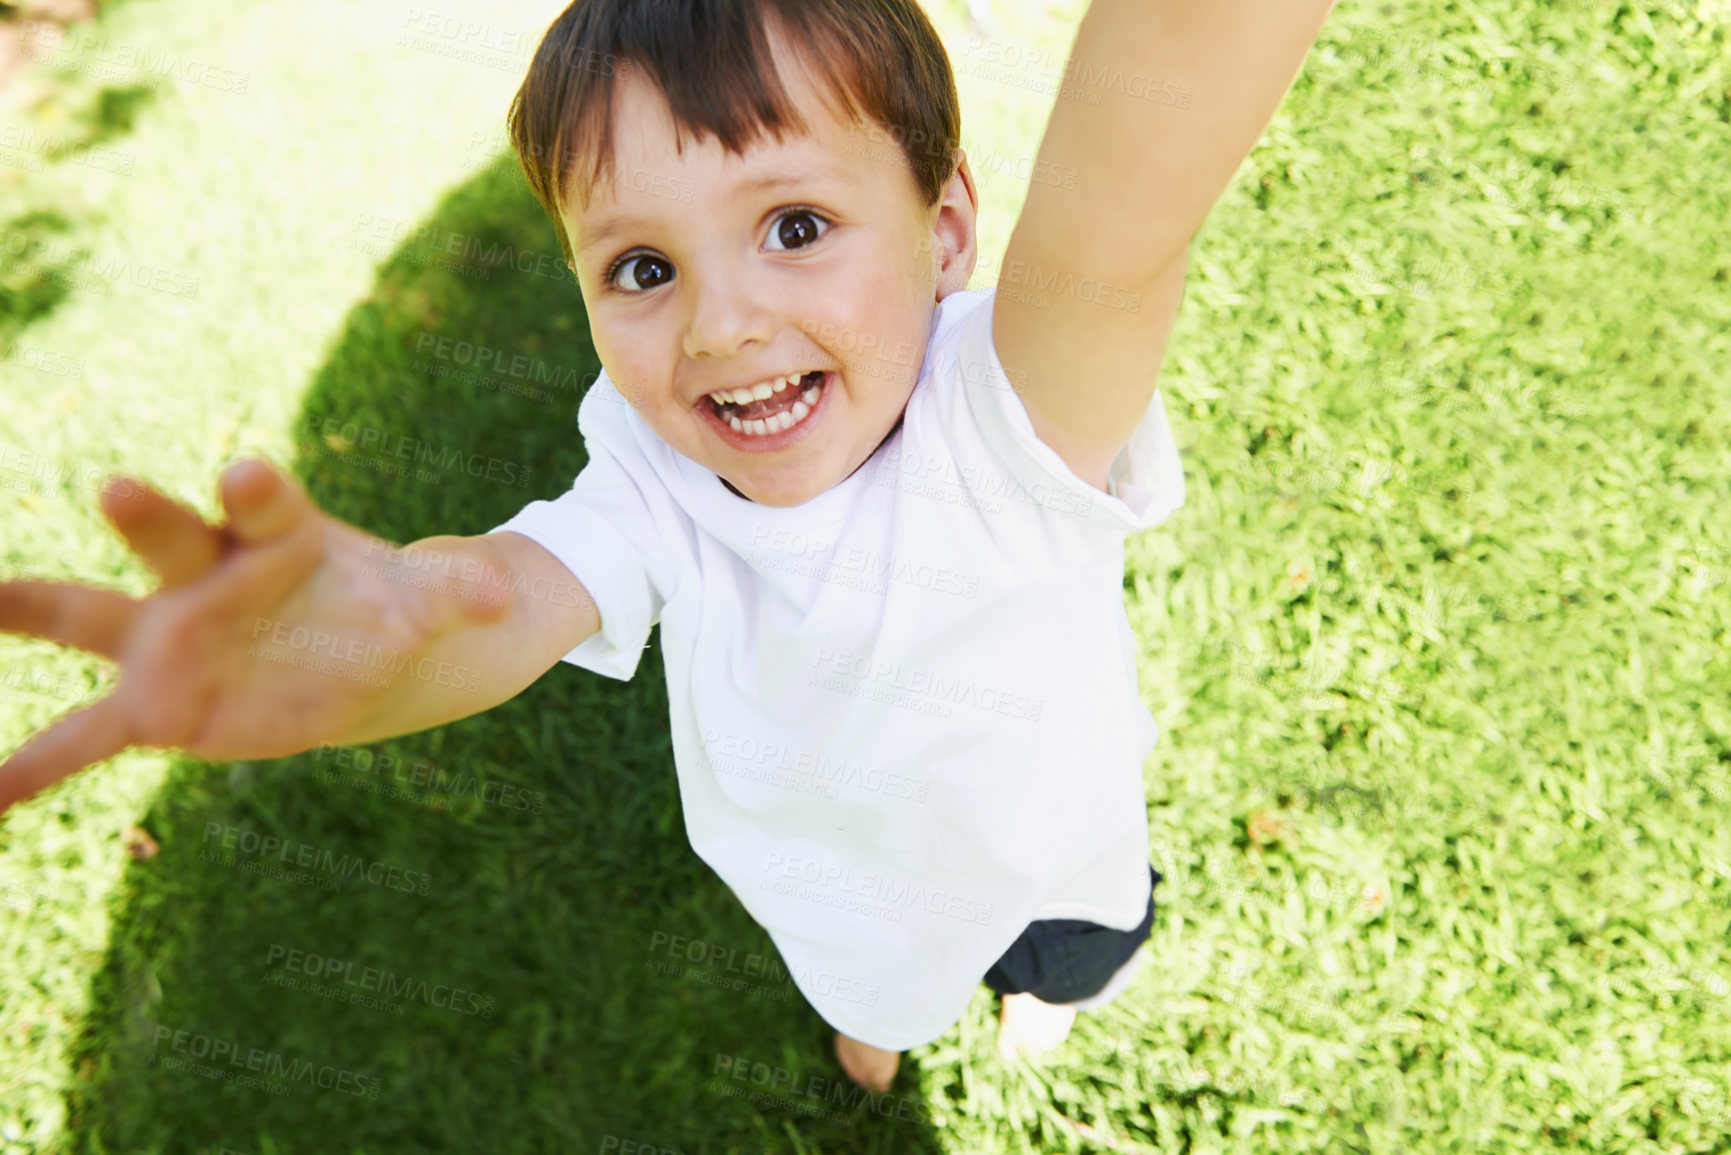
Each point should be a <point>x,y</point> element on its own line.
<point>824,173</point>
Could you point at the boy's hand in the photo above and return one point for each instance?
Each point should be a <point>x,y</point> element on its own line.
<point>199,670</point>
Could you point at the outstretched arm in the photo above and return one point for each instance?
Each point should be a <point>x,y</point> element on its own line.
<point>1163,100</point>
<point>284,628</point>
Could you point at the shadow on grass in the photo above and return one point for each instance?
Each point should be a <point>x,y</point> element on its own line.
<point>112,112</point>
<point>35,269</point>
<point>542,1005</point>
<point>39,260</point>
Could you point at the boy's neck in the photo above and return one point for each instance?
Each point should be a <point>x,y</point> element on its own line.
<point>857,468</point>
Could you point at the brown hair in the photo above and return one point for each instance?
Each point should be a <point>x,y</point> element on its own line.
<point>712,61</point>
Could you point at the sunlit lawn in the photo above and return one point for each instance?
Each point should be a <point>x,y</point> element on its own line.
<point>1438,645</point>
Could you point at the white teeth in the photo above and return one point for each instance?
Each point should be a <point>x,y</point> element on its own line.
<point>786,419</point>
<point>757,392</point>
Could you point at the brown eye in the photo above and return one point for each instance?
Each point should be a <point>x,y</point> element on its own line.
<point>641,273</point>
<point>797,229</point>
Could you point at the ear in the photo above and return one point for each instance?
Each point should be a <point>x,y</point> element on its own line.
<point>954,230</point>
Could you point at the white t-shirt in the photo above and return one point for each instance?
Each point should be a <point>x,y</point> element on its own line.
<point>905,714</point>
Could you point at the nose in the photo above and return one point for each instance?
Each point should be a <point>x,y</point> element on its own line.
<point>726,316</point>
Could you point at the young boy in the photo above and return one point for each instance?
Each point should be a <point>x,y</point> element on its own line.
<point>879,518</point>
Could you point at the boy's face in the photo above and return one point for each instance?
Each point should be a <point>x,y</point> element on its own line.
<point>814,257</point>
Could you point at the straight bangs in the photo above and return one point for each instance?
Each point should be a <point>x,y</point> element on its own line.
<point>714,63</point>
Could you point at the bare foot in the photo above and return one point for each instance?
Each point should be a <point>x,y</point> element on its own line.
<point>1031,1028</point>
<point>871,1067</point>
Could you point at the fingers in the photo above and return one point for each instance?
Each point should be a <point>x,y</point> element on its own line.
<point>270,572</point>
<point>90,619</point>
<point>270,511</point>
<point>172,539</point>
<point>94,734</point>
<point>263,503</point>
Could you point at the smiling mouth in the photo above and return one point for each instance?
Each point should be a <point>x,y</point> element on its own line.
<point>773,406</point>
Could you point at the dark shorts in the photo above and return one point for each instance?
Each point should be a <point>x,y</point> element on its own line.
<point>1063,960</point>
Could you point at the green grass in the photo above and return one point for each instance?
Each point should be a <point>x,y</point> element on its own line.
<point>1438,646</point>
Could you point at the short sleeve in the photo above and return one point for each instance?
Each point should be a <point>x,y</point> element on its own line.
<point>1147,478</point>
<point>609,529</point>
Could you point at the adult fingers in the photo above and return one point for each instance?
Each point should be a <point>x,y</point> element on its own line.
<point>72,615</point>
<point>91,735</point>
<point>172,539</point>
